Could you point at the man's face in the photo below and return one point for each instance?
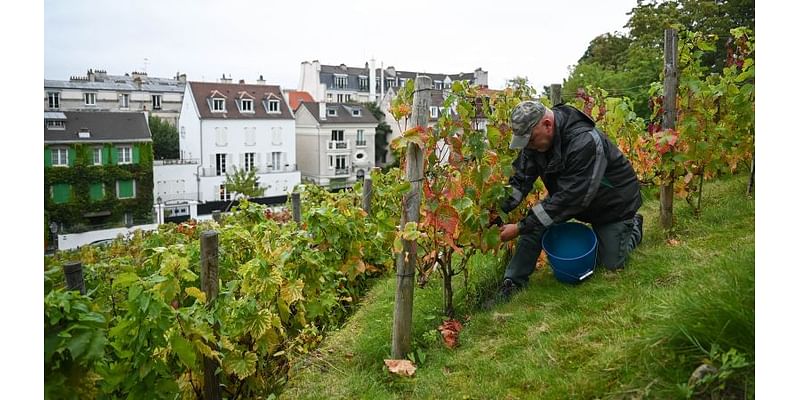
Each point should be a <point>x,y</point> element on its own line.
<point>542,135</point>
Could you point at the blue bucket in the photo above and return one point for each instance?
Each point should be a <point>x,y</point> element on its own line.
<point>571,249</point>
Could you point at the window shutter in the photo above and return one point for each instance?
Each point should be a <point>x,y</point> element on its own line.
<point>114,155</point>
<point>258,162</point>
<point>241,160</point>
<point>48,157</point>
<point>70,156</point>
<point>135,156</point>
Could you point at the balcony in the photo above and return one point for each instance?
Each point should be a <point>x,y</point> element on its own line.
<point>341,171</point>
<point>338,145</point>
<point>185,161</point>
<point>262,169</point>
<point>361,143</point>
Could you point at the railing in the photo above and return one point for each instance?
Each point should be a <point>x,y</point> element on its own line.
<point>338,145</point>
<point>262,169</point>
<point>342,171</point>
<point>176,197</point>
<point>184,161</point>
<point>361,143</point>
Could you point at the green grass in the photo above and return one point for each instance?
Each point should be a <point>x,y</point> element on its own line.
<point>636,333</point>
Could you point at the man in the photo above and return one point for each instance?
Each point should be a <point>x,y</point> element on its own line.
<point>587,178</point>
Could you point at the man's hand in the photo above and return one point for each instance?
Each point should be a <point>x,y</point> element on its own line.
<point>509,232</point>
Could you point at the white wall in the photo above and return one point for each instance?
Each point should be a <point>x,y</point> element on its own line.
<point>175,182</point>
<point>189,127</point>
<point>74,240</point>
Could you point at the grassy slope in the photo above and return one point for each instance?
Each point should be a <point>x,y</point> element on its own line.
<point>618,335</point>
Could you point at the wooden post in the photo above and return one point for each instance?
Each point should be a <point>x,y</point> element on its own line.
<point>366,194</point>
<point>296,207</point>
<point>670,113</point>
<point>209,282</point>
<point>73,273</point>
<point>407,262</point>
<point>751,185</point>
<point>217,216</point>
<point>555,93</point>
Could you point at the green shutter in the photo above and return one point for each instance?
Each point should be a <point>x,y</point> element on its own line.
<point>106,155</point>
<point>125,189</point>
<point>48,157</point>
<point>114,154</point>
<point>96,191</point>
<point>70,156</point>
<point>61,193</point>
<point>135,156</point>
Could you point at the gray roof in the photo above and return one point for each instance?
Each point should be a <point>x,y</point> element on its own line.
<point>470,76</point>
<point>119,83</point>
<point>103,126</point>
<point>343,113</point>
<point>338,69</point>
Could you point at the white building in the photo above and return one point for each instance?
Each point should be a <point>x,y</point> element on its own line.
<point>226,125</point>
<point>335,143</point>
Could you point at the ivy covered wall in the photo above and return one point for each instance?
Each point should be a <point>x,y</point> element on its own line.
<point>81,174</point>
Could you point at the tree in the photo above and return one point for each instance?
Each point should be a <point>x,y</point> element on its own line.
<point>244,183</point>
<point>382,131</point>
<point>165,139</point>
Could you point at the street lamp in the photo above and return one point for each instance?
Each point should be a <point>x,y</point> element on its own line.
<point>159,200</point>
<point>53,237</point>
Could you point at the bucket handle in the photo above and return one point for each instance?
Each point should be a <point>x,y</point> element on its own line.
<point>586,275</point>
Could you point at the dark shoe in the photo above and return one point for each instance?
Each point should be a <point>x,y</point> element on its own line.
<point>507,288</point>
<point>638,227</point>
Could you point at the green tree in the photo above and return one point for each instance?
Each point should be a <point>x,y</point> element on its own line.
<point>244,183</point>
<point>165,139</point>
<point>382,131</point>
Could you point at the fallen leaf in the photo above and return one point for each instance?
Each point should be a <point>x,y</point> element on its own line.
<point>673,242</point>
<point>449,330</point>
<point>349,356</point>
<point>541,262</point>
<point>401,367</point>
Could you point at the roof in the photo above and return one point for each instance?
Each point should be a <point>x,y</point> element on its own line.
<point>343,69</point>
<point>297,96</point>
<point>232,94</point>
<point>119,83</point>
<point>343,113</point>
<point>103,126</point>
<point>470,76</point>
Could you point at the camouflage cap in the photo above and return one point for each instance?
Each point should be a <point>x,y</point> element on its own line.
<point>524,116</point>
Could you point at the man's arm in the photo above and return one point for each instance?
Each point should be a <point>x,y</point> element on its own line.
<point>520,183</point>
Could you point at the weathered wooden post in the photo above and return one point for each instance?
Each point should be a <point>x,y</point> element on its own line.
<point>555,93</point>
<point>209,282</point>
<point>751,185</point>
<point>670,113</point>
<point>407,262</point>
<point>296,207</point>
<point>216,215</point>
<point>366,194</point>
<point>73,274</point>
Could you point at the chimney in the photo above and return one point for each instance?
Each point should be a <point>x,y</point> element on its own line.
<point>261,80</point>
<point>139,75</point>
<point>90,74</point>
<point>323,111</point>
<point>182,78</point>
<point>241,81</point>
<point>225,80</point>
<point>100,74</point>
<point>481,77</point>
<point>137,81</point>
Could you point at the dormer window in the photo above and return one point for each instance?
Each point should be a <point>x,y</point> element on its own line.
<point>434,112</point>
<point>356,112</point>
<point>247,105</point>
<point>331,112</point>
<point>84,133</point>
<point>437,85</point>
<point>56,125</point>
<point>274,106</point>
<point>217,105</point>
<point>340,81</point>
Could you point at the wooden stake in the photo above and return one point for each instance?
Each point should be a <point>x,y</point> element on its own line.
<point>209,282</point>
<point>296,207</point>
<point>670,113</point>
<point>555,93</point>
<point>73,274</point>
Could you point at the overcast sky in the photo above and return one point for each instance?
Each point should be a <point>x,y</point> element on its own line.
<point>245,39</point>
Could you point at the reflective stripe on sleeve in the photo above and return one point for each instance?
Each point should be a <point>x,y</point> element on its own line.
<point>600,163</point>
<point>541,214</point>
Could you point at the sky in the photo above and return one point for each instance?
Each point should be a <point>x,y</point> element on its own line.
<point>244,39</point>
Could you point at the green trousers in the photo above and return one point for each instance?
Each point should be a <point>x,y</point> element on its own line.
<point>614,242</point>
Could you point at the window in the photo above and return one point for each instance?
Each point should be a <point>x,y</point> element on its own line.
<point>360,141</point>
<point>156,102</point>
<point>60,193</point>
<point>403,81</point>
<point>276,161</point>
<point>124,100</point>
<point>220,164</point>
<point>356,112</point>
<point>97,156</point>
<point>434,112</point>
<point>337,135</point>
<point>331,112</point>
<point>341,164</point>
<point>390,83</point>
<point>274,106</point>
<point>97,191</point>
<point>53,124</point>
<point>89,99</point>
<point>340,98</point>
<point>340,81</point>
<point>437,85</point>
<point>59,157</point>
<point>218,105</point>
<point>363,82</point>
<point>124,155</point>
<point>126,189</point>
<point>223,193</point>
<point>221,134</point>
<point>277,138</point>
<point>249,161</point>
<point>247,105</point>
<point>53,99</point>
<point>330,97</point>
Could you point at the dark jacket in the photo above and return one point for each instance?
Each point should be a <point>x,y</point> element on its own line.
<point>586,176</point>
